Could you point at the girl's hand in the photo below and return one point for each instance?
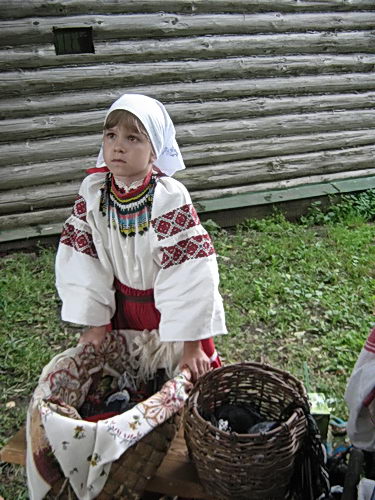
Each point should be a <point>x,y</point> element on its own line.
<point>94,335</point>
<point>194,357</point>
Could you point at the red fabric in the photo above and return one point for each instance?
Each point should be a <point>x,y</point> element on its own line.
<point>122,195</point>
<point>131,312</point>
<point>370,342</point>
<point>95,170</point>
<point>135,310</point>
<point>101,416</point>
<point>208,346</point>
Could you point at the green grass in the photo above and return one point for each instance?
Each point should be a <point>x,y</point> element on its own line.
<point>295,295</point>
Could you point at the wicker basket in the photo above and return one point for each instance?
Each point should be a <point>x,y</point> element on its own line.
<point>246,466</point>
<point>130,473</point>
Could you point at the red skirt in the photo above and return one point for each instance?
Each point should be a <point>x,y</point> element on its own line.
<point>135,310</point>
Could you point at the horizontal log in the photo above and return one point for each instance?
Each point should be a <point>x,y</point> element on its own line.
<point>212,154</point>
<point>219,176</point>
<point>45,173</point>
<point>59,215</point>
<point>196,155</point>
<point>92,121</point>
<point>39,56</point>
<point>47,196</point>
<point>37,151</point>
<point>104,76</point>
<point>310,180</point>
<point>221,201</point>
<point>53,215</point>
<point>19,8</point>
<point>278,167</point>
<point>37,30</point>
<point>198,91</point>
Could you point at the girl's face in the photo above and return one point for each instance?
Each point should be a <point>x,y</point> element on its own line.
<point>128,154</point>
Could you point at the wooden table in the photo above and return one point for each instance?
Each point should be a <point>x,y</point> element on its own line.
<point>176,475</point>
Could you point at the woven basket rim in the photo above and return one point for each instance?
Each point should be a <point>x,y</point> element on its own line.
<point>270,370</point>
<point>287,423</point>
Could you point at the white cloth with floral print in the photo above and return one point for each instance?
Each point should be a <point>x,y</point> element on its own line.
<point>86,450</point>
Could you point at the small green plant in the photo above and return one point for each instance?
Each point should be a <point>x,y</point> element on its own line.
<point>211,227</point>
<point>350,209</point>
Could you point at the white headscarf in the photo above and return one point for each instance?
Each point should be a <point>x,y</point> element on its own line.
<point>159,127</point>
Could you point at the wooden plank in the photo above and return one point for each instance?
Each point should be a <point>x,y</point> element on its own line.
<point>39,151</point>
<point>82,100</point>
<point>219,176</point>
<point>25,233</point>
<point>14,452</point>
<point>238,197</point>
<point>199,155</point>
<point>292,209</point>
<point>36,30</point>
<point>107,75</point>
<point>278,168</point>
<point>35,218</point>
<point>19,8</point>
<point>194,112</point>
<point>293,193</point>
<point>321,179</point>
<point>47,196</point>
<point>207,47</point>
<point>46,217</point>
<point>176,474</point>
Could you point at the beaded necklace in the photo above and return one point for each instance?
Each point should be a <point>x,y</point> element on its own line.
<point>129,212</point>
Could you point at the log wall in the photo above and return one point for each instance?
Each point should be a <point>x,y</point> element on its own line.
<point>273,100</point>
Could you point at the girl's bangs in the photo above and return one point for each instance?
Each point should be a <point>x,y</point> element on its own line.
<point>121,117</point>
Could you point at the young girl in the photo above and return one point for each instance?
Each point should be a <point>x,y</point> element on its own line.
<point>133,254</point>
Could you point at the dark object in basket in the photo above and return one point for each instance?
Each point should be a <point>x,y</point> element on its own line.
<point>243,466</point>
<point>265,426</point>
<point>239,418</point>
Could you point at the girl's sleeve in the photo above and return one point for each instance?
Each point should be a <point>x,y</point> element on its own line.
<point>84,279</point>
<point>186,286</point>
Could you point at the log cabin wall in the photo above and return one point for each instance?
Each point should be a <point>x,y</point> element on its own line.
<point>273,100</point>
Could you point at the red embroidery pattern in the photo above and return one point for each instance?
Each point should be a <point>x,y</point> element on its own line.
<point>175,221</point>
<point>79,209</point>
<point>191,248</point>
<point>370,342</point>
<point>80,240</point>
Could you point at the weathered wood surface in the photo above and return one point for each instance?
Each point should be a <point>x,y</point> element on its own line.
<point>48,217</point>
<point>218,176</point>
<point>36,30</point>
<point>47,196</point>
<point>95,99</point>
<point>20,8</point>
<point>37,151</point>
<point>109,76</point>
<point>195,155</point>
<point>92,121</point>
<point>52,215</point>
<point>263,187</point>
<point>279,167</point>
<point>266,95</point>
<point>201,47</point>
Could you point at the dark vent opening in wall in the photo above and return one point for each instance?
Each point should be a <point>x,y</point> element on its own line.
<point>73,41</point>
